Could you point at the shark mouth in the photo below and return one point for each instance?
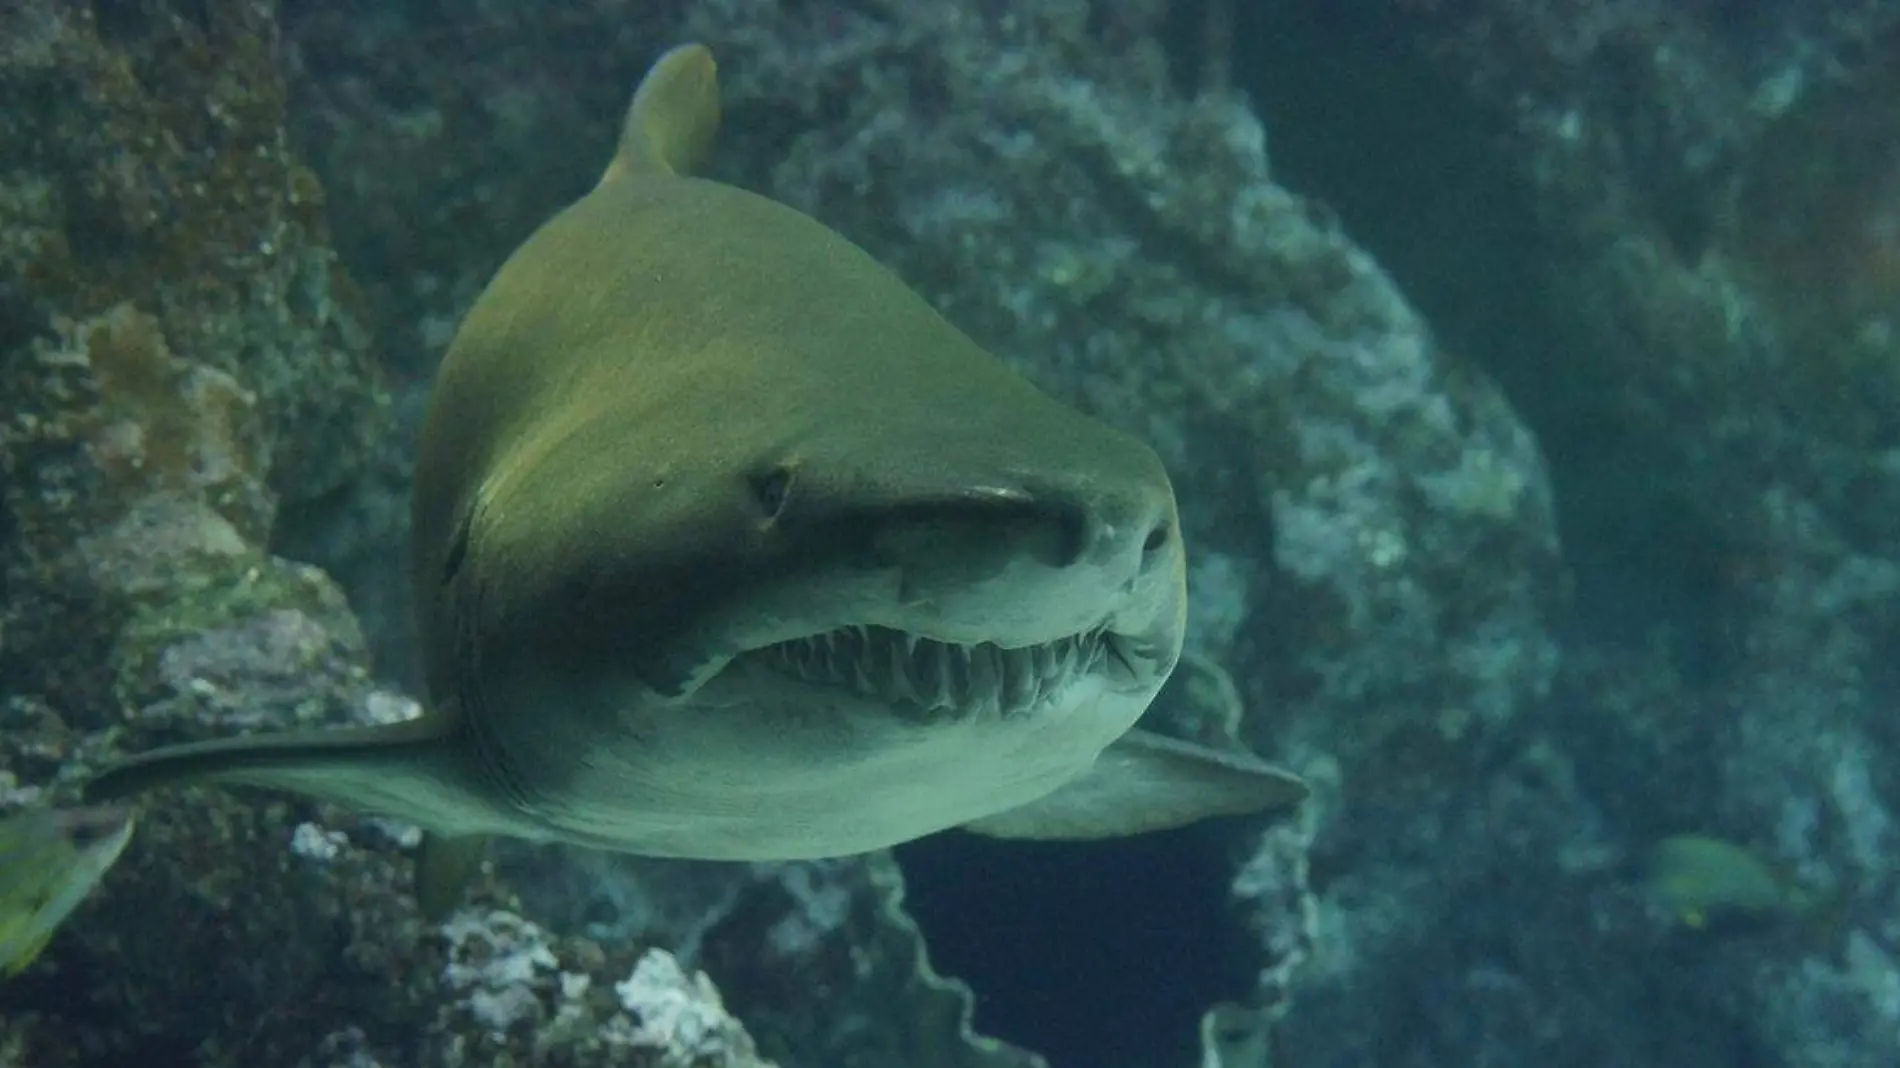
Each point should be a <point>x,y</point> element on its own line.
<point>937,676</point>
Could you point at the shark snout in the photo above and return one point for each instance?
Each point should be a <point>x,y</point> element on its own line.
<point>1030,560</point>
<point>991,528</point>
<point>1119,536</point>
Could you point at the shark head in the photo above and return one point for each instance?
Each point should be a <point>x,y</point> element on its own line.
<point>731,545</point>
<point>851,505</point>
<point>929,560</point>
<point>846,588</point>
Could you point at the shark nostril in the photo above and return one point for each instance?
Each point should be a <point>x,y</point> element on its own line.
<point>1073,528</point>
<point>1083,535</point>
<point>1158,537</point>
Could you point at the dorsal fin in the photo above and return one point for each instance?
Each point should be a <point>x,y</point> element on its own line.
<point>675,111</point>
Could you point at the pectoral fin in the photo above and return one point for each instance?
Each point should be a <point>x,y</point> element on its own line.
<point>413,771</point>
<point>1145,782</point>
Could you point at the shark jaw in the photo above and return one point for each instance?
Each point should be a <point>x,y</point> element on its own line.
<point>932,679</point>
<point>938,678</point>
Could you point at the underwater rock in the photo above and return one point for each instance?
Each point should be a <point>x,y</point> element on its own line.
<point>1722,311</point>
<point>681,1016</point>
<point>835,934</point>
<point>817,955</point>
<point>1670,240</point>
<point>519,1000</point>
<point>1729,193</point>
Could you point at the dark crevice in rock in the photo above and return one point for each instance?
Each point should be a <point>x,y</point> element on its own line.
<point>1093,954</point>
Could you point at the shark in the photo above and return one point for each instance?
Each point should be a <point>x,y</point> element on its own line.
<point>727,545</point>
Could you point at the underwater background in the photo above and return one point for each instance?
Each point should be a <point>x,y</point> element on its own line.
<point>1528,372</point>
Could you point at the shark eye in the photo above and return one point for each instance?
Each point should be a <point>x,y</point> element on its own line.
<point>771,489</point>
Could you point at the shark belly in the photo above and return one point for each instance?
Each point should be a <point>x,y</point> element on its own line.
<point>747,776</point>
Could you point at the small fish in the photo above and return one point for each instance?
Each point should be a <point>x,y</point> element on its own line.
<point>1702,881</point>
<point>50,859</point>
